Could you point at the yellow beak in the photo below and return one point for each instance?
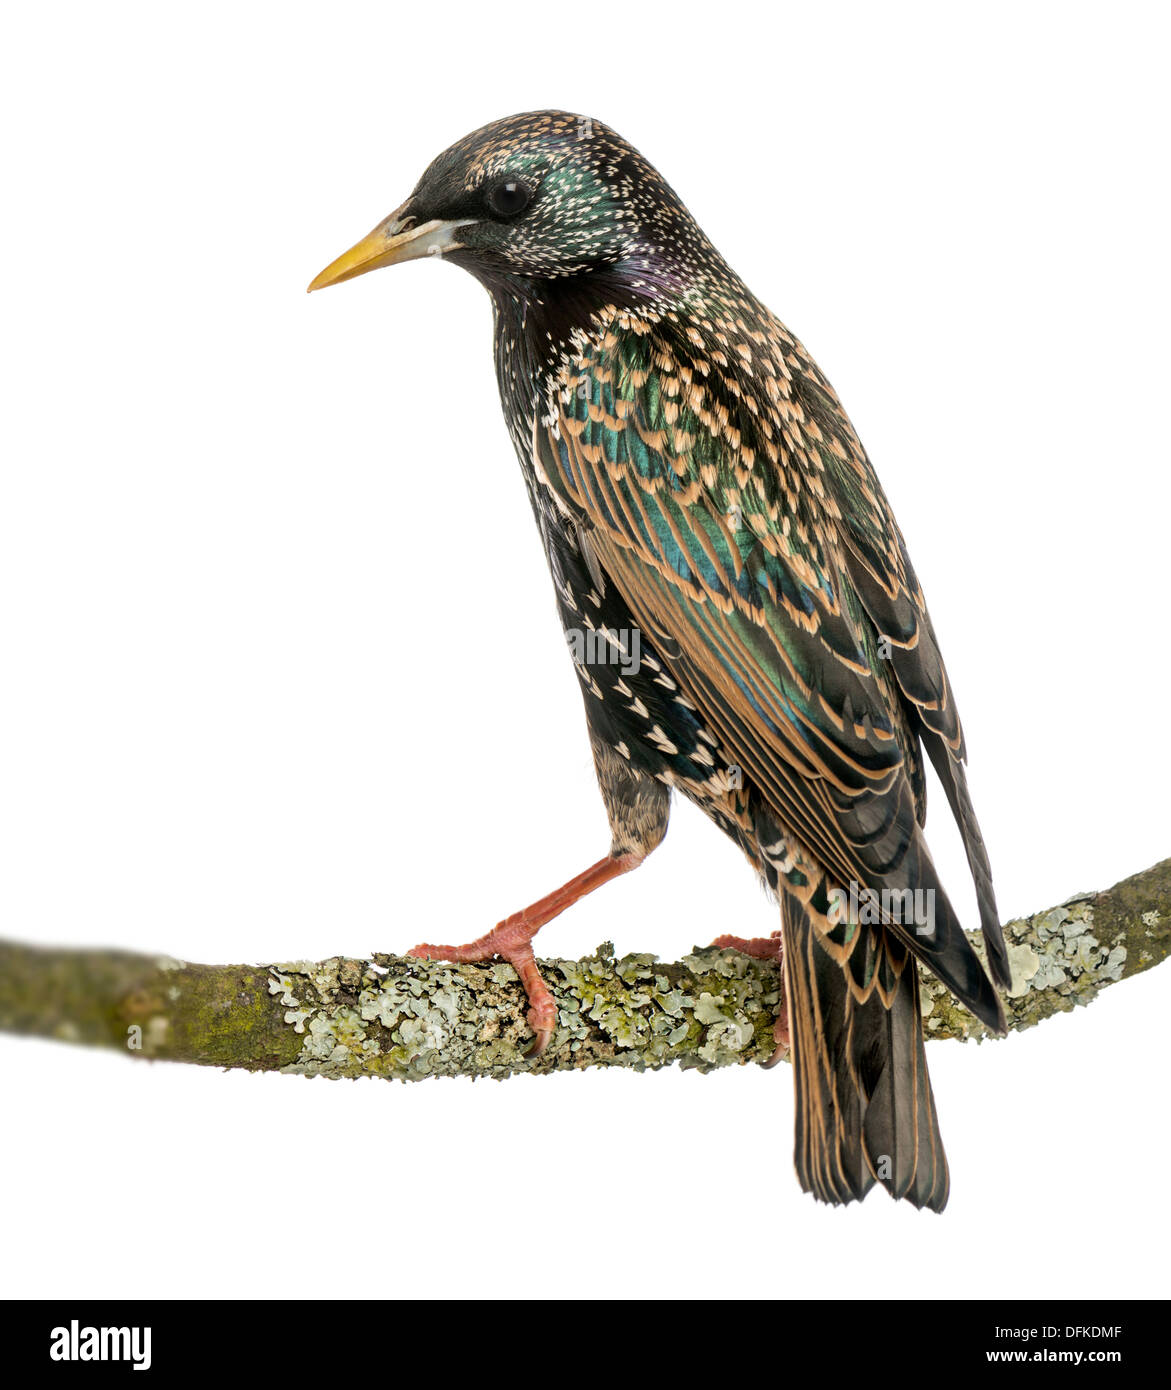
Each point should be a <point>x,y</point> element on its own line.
<point>392,241</point>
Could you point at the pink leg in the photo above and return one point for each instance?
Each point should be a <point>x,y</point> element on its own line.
<point>512,939</point>
<point>765,948</point>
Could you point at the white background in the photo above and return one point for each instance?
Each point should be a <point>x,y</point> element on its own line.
<point>282,677</point>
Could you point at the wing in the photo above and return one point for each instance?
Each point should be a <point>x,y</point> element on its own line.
<point>732,551</point>
<point>884,580</point>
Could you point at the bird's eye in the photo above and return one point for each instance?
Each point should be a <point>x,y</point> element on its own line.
<point>507,198</point>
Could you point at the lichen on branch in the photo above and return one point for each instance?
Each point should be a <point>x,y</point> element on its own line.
<point>402,1018</point>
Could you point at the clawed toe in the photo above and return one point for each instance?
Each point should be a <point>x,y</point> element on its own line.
<point>513,944</point>
<point>780,1034</point>
<point>542,1013</point>
<point>758,947</point>
<point>765,948</point>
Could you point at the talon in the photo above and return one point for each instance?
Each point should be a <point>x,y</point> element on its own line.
<point>727,943</point>
<point>780,1032</point>
<point>765,948</point>
<point>541,1018</point>
<point>512,940</point>
<point>758,947</point>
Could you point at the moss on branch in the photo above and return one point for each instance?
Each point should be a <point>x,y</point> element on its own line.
<point>397,1017</point>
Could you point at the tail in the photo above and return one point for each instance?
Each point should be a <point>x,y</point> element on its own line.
<point>865,1112</point>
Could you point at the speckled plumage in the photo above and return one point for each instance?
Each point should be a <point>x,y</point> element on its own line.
<point>700,492</point>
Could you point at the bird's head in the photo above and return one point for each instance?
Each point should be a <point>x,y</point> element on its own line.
<point>535,199</point>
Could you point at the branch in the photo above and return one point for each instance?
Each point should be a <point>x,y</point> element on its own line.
<point>397,1017</point>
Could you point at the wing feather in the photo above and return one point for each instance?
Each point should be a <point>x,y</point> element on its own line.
<point>777,603</point>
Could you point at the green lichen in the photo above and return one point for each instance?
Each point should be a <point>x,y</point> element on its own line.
<point>409,1019</point>
<point>435,1017</point>
<point>1059,960</point>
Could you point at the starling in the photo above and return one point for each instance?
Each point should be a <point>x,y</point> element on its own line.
<point>740,607</point>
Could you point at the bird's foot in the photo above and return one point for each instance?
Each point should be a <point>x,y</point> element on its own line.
<point>765,948</point>
<point>759,947</point>
<point>512,941</point>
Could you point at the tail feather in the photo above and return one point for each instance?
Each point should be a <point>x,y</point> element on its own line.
<point>898,609</point>
<point>945,950</point>
<point>865,1112</point>
<point>951,773</point>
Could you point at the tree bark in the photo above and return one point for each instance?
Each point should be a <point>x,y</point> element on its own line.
<point>396,1017</point>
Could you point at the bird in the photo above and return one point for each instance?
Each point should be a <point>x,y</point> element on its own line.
<point>741,610</point>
